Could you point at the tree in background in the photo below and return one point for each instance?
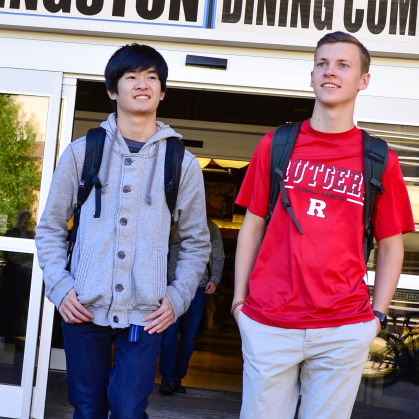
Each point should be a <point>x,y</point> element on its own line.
<point>20,172</point>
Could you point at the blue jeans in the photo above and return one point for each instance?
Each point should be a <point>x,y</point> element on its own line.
<point>94,387</point>
<point>174,363</point>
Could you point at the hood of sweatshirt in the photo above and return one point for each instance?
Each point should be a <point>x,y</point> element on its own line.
<point>119,145</point>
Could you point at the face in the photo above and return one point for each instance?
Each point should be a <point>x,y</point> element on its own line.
<point>138,92</point>
<point>337,77</point>
<point>25,221</point>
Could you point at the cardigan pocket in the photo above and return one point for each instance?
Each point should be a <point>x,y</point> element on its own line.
<point>83,268</point>
<point>160,273</point>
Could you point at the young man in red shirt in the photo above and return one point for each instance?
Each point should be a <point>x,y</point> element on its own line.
<point>300,300</point>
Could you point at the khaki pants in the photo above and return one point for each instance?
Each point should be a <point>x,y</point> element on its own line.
<point>331,362</point>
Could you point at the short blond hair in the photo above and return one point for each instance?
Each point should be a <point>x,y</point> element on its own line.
<point>335,37</point>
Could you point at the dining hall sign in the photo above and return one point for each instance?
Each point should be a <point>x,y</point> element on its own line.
<point>390,25</point>
<point>166,12</point>
<point>366,17</point>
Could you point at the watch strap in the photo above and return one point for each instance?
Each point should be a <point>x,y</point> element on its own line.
<point>382,317</point>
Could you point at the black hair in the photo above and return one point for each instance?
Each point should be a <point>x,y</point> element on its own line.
<point>335,37</point>
<point>134,57</point>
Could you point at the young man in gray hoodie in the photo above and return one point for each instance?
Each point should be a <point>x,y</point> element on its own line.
<point>118,274</point>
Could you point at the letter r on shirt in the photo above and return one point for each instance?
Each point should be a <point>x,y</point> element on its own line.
<point>316,206</point>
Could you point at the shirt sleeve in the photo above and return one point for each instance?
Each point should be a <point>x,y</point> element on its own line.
<point>195,245</point>
<point>52,230</point>
<point>254,192</point>
<point>392,211</point>
<point>217,253</point>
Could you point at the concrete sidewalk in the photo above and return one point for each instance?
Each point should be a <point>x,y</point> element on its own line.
<point>196,404</point>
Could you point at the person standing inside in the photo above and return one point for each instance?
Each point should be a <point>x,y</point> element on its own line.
<point>300,300</point>
<point>15,285</point>
<point>118,274</point>
<point>174,357</point>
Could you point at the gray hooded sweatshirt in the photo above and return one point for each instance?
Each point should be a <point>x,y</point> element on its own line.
<point>119,264</point>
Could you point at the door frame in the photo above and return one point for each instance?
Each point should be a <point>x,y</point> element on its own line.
<point>17,400</point>
<point>68,102</point>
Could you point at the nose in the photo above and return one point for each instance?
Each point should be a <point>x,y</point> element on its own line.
<point>141,83</point>
<point>330,70</point>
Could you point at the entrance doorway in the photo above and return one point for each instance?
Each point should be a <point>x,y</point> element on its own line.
<point>223,129</point>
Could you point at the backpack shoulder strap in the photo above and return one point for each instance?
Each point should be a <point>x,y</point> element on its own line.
<point>95,141</point>
<point>175,151</point>
<point>375,161</point>
<point>282,145</point>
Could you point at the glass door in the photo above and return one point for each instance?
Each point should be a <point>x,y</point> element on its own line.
<point>390,381</point>
<point>29,114</point>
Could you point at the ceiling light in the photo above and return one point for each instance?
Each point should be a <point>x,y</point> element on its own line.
<point>203,161</point>
<point>231,164</point>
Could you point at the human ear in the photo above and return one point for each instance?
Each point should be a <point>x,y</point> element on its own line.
<point>162,94</point>
<point>311,82</point>
<point>111,95</point>
<point>365,81</point>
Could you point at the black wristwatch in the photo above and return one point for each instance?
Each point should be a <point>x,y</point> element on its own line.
<point>382,317</point>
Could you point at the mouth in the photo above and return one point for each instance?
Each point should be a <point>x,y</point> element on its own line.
<point>329,85</point>
<point>142,97</point>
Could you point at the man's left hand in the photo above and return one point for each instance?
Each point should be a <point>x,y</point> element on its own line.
<point>163,318</point>
<point>211,287</point>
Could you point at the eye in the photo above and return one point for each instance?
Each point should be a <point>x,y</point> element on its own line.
<point>343,65</point>
<point>321,64</point>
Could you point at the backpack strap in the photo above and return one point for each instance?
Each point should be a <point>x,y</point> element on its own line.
<point>375,161</point>
<point>175,151</point>
<point>95,141</point>
<point>283,142</point>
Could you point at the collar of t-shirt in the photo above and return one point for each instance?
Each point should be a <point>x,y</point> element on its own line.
<point>344,135</point>
<point>134,146</point>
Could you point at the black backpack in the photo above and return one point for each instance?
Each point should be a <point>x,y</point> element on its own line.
<point>375,161</point>
<point>95,141</point>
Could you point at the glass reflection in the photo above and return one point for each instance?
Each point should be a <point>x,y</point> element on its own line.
<point>391,376</point>
<point>395,354</point>
<point>404,140</point>
<point>23,122</point>
<point>15,282</point>
<point>411,254</point>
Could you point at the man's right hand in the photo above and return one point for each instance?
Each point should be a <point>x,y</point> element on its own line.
<point>72,311</point>
<point>237,312</point>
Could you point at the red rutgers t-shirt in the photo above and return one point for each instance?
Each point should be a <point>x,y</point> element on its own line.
<point>316,279</point>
